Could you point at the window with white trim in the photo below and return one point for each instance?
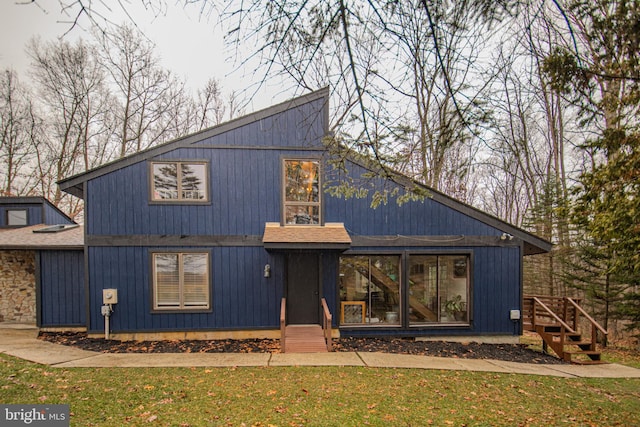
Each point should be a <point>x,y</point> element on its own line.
<point>179,182</point>
<point>181,281</point>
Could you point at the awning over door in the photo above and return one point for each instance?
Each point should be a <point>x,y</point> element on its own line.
<point>332,235</point>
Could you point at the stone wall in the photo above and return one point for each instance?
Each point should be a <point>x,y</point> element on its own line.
<point>17,286</point>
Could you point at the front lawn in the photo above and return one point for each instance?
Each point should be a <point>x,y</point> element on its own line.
<point>330,396</point>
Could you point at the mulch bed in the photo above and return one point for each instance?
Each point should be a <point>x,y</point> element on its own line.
<point>508,352</point>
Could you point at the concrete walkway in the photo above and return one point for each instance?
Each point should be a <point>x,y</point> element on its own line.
<point>21,341</point>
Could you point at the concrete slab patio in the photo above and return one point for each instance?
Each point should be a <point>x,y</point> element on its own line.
<point>21,341</point>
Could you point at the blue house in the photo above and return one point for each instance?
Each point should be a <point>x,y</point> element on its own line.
<point>206,235</point>
<point>18,212</point>
<point>41,264</point>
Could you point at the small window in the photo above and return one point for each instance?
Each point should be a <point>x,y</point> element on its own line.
<point>181,281</point>
<point>301,192</point>
<point>17,217</point>
<point>179,182</point>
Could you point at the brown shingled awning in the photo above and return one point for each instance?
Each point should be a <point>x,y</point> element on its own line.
<point>328,236</point>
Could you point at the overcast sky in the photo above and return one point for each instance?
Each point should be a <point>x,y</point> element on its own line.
<point>188,44</point>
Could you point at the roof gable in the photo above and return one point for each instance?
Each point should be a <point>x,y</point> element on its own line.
<point>532,244</point>
<point>75,184</point>
<point>224,133</point>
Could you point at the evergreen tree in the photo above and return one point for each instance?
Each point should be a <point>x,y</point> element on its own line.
<point>603,77</point>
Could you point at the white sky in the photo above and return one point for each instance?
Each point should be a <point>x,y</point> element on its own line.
<point>189,45</point>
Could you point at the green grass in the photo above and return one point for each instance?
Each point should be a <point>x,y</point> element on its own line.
<point>621,355</point>
<point>330,396</point>
<point>611,354</point>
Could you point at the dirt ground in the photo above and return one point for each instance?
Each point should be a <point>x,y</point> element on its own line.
<point>509,352</point>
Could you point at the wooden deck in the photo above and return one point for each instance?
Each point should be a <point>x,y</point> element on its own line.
<point>304,339</point>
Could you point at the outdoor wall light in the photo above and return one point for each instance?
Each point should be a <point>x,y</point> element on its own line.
<point>506,236</point>
<point>267,271</point>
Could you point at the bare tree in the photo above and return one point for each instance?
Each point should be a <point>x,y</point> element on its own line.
<point>18,127</point>
<point>143,88</point>
<point>210,108</point>
<point>443,91</point>
<point>597,69</point>
<point>346,45</point>
<point>187,114</point>
<point>69,84</point>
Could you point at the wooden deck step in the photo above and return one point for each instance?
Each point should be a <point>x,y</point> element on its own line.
<point>555,319</point>
<point>304,339</point>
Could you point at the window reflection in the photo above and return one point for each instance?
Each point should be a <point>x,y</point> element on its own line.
<point>302,192</point>
<point>374,283</point>
<point>370,290</point>
<point>174,181</point>
<point>438,288</point>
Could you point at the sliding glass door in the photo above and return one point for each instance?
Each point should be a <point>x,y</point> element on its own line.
<point>438,289</point>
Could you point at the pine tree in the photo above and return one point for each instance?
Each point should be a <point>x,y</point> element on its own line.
<point>606,210</point>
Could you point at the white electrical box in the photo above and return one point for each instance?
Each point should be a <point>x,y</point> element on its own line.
<point>514,315</point>
<point>109,296</point>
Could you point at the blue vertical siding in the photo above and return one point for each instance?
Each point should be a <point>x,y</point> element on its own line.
<point>245,192</point>
<point>62,289</point>
<point>241,296</point>
<point>52,216</point>
<point>39,211</point>
<point>426,217</point>
<point>34,213</point>
<point>303,126</point>
<point>494,288</point>
<point>330,284</point>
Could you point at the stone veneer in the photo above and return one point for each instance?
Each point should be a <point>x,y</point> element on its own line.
<point>17,286</point>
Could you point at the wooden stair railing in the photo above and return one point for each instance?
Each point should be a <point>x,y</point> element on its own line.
<point>283,324</point>
<point>556,320</point>
<point>326,323</point>
<point>305,338</point>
